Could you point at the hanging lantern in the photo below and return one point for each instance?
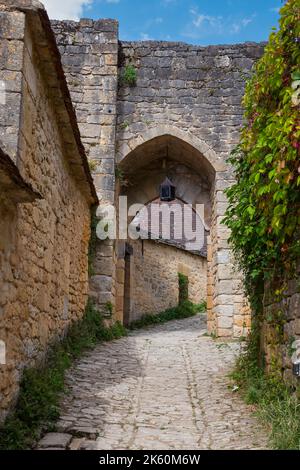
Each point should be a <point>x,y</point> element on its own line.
<point>167,190</point>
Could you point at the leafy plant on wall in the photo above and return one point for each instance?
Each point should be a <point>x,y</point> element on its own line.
<point>183,282</point>
<point>264,204</point>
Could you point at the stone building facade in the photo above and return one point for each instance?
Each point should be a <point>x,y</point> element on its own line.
<point>185,107</point>
<point>66,107</point>
<point>89,52</point>
<point>153,272</point>
<point>46,194</point>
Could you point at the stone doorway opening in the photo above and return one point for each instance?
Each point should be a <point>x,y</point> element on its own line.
<point>152,270</point>
<point>200,177</point>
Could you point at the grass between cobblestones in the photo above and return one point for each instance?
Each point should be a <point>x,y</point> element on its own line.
<point>277,404</point>
<point>37,408</point>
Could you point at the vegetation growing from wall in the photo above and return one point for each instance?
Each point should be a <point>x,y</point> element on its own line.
<point>121,177</point>
<point>92,164</point>
<point>129,76</point>
<point>183,282</point>
<point>37,408</point>
<point>264,204</point>
<point>264,215</point>
<point>275,405</point>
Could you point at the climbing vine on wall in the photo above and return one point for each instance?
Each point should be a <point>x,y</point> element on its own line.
<point>264,204</point>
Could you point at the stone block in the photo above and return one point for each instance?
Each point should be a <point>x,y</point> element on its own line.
<point>222,61</point>
<point>103,266</point>
<point>223,256</point>
<point>224,332</point>
<point>55,439</point>
<point>224,322</point>
<point>90,130</point>
<point>221,208</point>
<point>111,59</point>
<point>240,332</point>
<point>223,310</point>
<point>120,275</point>
<point>225,272</point>
<point>225,299</point>
<point>12,25</point>
<point>101,283</point>
<point>104,182</point>
<point>224,287</point>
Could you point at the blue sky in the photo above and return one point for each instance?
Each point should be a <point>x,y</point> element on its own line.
<point>193,21</point>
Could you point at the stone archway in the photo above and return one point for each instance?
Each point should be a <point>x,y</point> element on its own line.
<point>227,315</point>
<point>125,148</point>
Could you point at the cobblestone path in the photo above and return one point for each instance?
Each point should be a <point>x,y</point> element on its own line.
<point>164,387</point>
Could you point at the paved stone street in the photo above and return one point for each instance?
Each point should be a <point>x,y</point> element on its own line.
<point>164,387</point>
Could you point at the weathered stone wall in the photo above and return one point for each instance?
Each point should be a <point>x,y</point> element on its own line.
<point>190,94</point>
<point>43,244</point>
<point>154,277</point>
<point>11,65</point>
<point>193,94</point>
<point>89,52</point>
<point>281,327</point>
<point>196,89</point>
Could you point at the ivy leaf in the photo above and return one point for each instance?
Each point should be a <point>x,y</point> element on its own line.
<point>296,75</point>
<point>251,211</point>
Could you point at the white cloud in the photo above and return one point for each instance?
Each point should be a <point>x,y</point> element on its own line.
<point>237,26</point>
<point>66,9</point>
<point>145,37</point>
<point>203,25</point>
<point>201,21</point>
<point>69,9</point>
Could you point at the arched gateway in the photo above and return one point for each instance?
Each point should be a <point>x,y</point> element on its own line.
<point>150,277</point>
<point>180,119</point>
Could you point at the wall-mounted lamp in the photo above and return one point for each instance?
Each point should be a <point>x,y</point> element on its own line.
<point>167,191</point>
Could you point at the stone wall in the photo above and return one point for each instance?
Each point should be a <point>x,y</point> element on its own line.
<point>44,234</point>
<point>11,65</point>
<point>192,94</point>
<point>196,89</point>
<point>154,277</point>
<point>89,51</point>
<point>189,95</point>
<point>281,327</point>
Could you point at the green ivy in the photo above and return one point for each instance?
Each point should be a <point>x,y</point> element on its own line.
<point>264,204</point>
